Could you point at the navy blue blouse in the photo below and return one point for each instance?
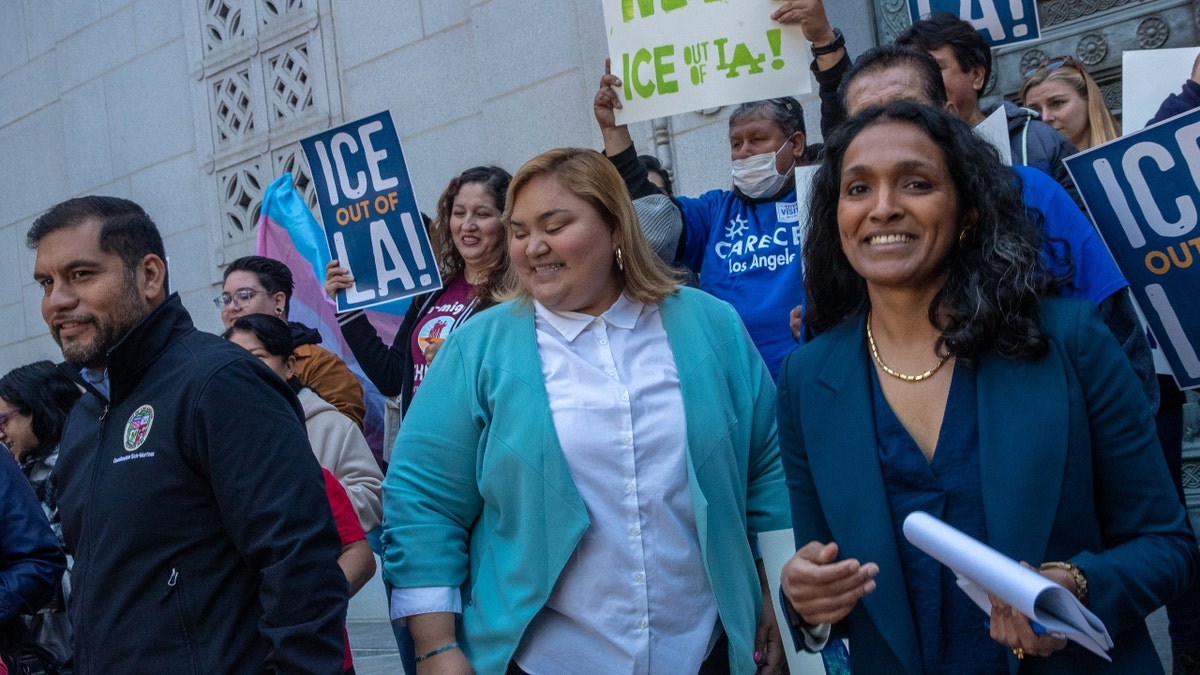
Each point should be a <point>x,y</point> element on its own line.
<point>950,627</point>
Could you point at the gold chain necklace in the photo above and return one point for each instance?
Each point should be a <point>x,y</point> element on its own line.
<point>900,376</point>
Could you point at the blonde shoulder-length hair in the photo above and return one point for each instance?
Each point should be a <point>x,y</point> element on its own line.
<point>591,177</point>
<point>1102,128</point>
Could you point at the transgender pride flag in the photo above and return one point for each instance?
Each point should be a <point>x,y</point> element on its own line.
<point>288,232</point>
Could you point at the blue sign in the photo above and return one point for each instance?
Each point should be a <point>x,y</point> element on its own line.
<point>371,219</point>
<point>1002,22</point>
<point>1143,191</point>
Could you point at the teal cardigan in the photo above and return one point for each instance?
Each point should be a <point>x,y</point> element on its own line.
<point>1070,468</point>
<point>478,494</point>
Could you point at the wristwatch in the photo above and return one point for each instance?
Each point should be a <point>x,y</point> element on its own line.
<point>839,41</point>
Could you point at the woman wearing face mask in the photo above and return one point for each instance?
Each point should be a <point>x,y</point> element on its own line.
<point>744,242</point>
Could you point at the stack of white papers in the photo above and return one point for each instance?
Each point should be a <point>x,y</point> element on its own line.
<point>981,570</point>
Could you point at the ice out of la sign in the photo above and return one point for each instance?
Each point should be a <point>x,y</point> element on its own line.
<point>1143,191</point>
<point>372,223</point>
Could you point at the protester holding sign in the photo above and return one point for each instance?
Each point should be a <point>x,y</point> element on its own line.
<point>745,242</point>
<point>468,242</point>
<point>600,372</point>
<point>1011,416</point>
<point>1183,614</point>
<point>1069,100</point>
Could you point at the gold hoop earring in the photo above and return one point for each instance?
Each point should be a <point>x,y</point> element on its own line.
<point>620,260</point>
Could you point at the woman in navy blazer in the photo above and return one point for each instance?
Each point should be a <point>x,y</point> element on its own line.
<point>942,380</point>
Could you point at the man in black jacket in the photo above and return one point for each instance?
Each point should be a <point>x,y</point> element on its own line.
<point>196,512</point>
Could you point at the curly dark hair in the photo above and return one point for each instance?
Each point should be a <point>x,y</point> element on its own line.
<point>994,275</point>
<point>46,395</point>
<point>450,261</point>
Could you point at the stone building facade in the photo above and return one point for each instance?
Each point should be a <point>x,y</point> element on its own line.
<point>191,107</point>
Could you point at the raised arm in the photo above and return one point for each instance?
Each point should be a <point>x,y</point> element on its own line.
<point>830,60</point>
<point>604,107</point>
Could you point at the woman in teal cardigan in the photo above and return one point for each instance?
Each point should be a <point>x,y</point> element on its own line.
<point>940,380</point>
<point>564,436</point>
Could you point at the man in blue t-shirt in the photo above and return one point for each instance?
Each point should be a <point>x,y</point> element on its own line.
<point>743,242</point>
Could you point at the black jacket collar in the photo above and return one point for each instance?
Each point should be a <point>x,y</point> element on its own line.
<point>133,354</point>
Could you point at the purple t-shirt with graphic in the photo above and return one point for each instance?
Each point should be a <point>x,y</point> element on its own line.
<point>435,326</point>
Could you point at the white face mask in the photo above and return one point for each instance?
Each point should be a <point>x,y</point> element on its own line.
<point>756,176</point>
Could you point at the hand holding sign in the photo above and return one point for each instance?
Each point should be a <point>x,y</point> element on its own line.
<point>719,53</point>
<point>810,16</point>
<point>370,213</point>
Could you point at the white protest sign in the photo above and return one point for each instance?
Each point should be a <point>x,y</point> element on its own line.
<point>994,130</point>
<point>675,56</point>
<point>1149,76</point>
<point>777,548</point>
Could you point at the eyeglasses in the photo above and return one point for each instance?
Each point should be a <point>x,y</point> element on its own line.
<point>6,416</point>
<point>1053,64</point>
<point>236,298</point>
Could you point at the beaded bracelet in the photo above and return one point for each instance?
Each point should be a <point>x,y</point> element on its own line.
<point>439,650</point>
<point>1081,585</point>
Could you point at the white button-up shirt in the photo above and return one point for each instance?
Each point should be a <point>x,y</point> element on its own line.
<point>634,597</point>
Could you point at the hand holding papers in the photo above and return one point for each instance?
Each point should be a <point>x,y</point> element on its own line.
<point>982,570</point>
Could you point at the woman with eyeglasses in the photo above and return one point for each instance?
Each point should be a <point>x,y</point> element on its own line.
<point>34,402</point>
<point>1069,100</point>
<point>256,284</point>
<point>468,243</point>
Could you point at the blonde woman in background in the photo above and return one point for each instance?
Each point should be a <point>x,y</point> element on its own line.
<point>1069,100</point>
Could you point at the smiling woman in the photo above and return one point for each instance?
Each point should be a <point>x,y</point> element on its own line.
<point>923,280</point>
<point>468,241</point>
<point>598,372</point>
<point>568,238</point>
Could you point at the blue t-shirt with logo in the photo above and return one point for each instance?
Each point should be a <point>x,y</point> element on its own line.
<point>748,254</point>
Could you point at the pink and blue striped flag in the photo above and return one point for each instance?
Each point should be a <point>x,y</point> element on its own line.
<point>288,232</point>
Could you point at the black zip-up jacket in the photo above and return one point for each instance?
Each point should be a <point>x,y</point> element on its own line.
<point>197,515</point>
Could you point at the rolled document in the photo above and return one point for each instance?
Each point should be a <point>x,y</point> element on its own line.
<point>981,570</point>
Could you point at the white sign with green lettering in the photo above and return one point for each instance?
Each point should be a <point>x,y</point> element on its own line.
<point>676,56</point>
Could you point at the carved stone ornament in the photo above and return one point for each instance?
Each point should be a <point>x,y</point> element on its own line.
<point>1061,11</point>
<point>1152,33</point>
<point>1092,49</point>
<point>1032,59</point>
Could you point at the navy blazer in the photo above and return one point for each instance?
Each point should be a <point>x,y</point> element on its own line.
<point>1071,470</point>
